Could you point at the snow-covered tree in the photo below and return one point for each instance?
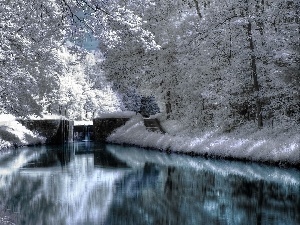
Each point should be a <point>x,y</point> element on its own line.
<point>220,63</point>
<point>31,35</point>
<point>208,63</point>
<point>83,90</point>
<point>149,106</point>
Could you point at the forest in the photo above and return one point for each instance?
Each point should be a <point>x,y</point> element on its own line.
<point>231,66</point>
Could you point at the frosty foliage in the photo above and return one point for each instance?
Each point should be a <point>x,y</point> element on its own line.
<point>14,134</point>
<point>28,63</point>
<point>32,35</point>
<point>83,91</point>
<point>148,106</point>
<point>220,64</point>
<point>131,99</point>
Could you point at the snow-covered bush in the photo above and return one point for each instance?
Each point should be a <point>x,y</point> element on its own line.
<point>131,100</point>
<point>14,134</point>
<point>148,106</point>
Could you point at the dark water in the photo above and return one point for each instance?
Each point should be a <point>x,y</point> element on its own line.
<point>88,183</point>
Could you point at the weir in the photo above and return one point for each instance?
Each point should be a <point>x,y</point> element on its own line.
<point>83,133</point>
<point>62,131</point>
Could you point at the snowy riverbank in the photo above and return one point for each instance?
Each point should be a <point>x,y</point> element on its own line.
<point>14,134</point>
<point>265,145</point>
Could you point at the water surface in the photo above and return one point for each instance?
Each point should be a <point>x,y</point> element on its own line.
<point>87,183</point>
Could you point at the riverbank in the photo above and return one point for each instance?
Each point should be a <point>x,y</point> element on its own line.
<point>276,146</point>
<point>273,146</point>
<point>14,134</point>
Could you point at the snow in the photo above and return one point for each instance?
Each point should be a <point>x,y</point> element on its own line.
<point>12,133</point>
<point>47,117</point>
<point>85,123</point>
<point>117,114</point>
<point>257,146</point>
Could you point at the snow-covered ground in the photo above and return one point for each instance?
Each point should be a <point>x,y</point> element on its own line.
<point>265,145</point>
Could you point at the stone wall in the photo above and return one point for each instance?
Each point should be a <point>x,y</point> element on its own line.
<point>55,131</point>
<point>61,131</point>
<point>103,127</point>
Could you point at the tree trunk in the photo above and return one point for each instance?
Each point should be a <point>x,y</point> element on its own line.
<point>168,104</point>
<point>198,8</point>
<point>254,76</point>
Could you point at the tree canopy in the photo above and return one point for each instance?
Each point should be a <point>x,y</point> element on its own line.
<point>32,35</point>
<point>208,63</point>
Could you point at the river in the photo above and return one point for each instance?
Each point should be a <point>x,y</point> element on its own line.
<point>89,183</point>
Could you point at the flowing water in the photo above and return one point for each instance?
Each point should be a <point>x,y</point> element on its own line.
<point>89,183</point>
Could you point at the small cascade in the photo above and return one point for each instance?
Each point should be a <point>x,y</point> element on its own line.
<point>83,133</point>
<point>86,134</point>
<point>62,121</point>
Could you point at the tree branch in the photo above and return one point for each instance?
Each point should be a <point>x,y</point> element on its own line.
<point>73,16</point>
<point>198,8</point>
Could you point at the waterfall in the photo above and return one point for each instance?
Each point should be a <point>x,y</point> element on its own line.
<point>86,134</point>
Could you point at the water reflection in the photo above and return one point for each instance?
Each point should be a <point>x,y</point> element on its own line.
<point>87,183</point>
